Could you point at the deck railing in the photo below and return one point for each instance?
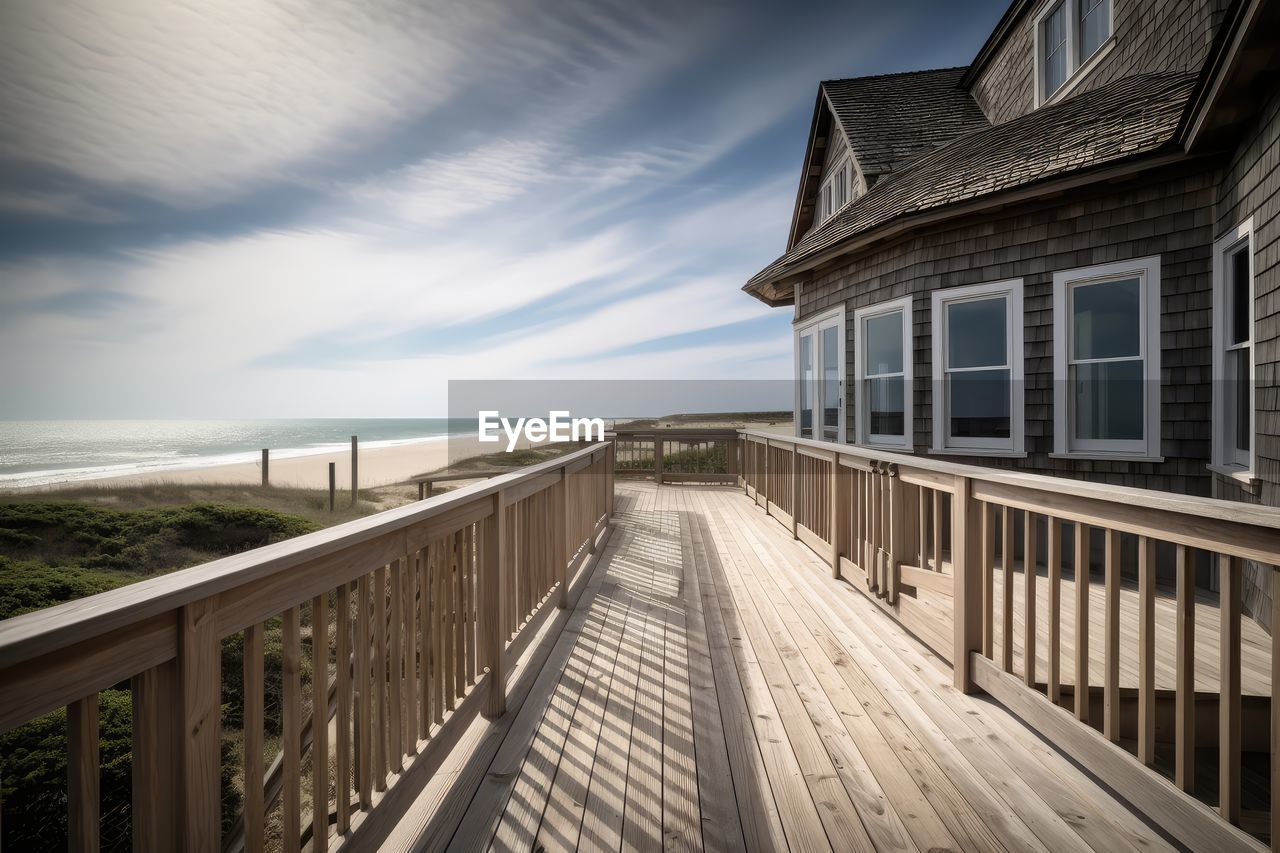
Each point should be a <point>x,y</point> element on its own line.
<point>945,549</point>
<point>413,617</point>
<point>678,455</point>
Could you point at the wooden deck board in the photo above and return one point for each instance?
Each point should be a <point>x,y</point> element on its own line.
<point>717,689</point>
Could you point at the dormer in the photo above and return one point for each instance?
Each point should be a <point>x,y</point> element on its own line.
<point>1044,51</point>
<point>864,128</point>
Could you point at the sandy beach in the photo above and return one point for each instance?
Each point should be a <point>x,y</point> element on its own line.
<point>379,466</point>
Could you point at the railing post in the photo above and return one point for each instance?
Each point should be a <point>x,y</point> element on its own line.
<point>563,546</point>
<point>795,479</point>
<point>834,525</point>
<point>966,567</point>
<point>895,531</point>
<point>764,478</point>
<point>493,606</point>
<point>611,466</point>
<point>657,458</point>
<point>199,686</point>
<point>731,458</point>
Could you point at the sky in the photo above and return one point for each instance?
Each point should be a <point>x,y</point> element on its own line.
<point>330,209</point>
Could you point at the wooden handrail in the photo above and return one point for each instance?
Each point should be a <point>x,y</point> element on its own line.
<point>883,521</point>
<point>439,613</point>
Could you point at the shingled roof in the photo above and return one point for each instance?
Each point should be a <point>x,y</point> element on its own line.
<point>894,118</point>
<point>1134,116</point>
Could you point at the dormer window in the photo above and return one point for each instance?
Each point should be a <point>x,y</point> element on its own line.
<point>836,190</point>
<point>1070,35</point>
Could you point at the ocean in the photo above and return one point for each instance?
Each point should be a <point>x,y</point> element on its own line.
<point>37,453</point>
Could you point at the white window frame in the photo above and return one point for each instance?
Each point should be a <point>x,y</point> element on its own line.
<point>943,442</point>
<point>815,323</point>
<point>861,409</point>
<point>1147,449</point>
<point>826,205</point>
<point>1226,459</point>
<point>1077,70</point>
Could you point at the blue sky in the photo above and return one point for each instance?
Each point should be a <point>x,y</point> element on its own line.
<point>247,209</point>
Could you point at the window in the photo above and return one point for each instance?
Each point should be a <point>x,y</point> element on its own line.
<point>977,369</point>
<point>1106,328</point>
<point>884,369</point>
<point>1233,368</point>
<point>820,376</point>
<point>836,190</point>
<point>1069,34</point>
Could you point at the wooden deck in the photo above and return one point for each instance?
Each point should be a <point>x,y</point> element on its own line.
<point>716,689</point>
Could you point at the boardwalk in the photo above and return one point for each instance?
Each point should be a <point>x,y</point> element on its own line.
<point>715,689</point>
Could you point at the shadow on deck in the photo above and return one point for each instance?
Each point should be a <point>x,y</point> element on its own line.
<point>716,689</point>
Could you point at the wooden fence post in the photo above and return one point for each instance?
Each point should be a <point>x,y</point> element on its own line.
<point>199,686</point>
<point>355,471</point>
<point>967,569</point>
<point>333,483</point>
<point>493,605</point>
<point>266,467</point>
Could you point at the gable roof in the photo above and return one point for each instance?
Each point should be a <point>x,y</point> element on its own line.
<point>891,119</point>
<point>888,120</point>
<point>1126,119</point>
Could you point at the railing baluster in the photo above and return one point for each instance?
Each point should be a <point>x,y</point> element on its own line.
<point>1111,639</point>
<point>378,716</point>
<point>1082,621</point>
<point>922,533</point>
<point>155,757</point>
<point>493,604</point>
<point>291,733</point>
<point>409,638</point>
<point>1029,522</point>
<point>1006,588</point>
<point>364,674</point>
<point>320,722</point>
<point>83,799</point>
<point>1146,650</point>
<point>1053,550</point>
<point>1230,577</point>
<point>459,653</point>
<point>200,690</point>
<point>254,837</point>
<point>1185,713</point>
<point>987,567</point>
<point>424,642</point>
<point>342,761</point>
<point>396,752</point>
<point>968,571</point>
<point>937,532</point>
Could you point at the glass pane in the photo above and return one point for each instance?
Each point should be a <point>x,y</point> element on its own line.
<point>979,403</point>
<point>1106,319</point>
<point>976,332</point>
<point>1239,389</point>
<point>1053,39</point>
<point>1109,401</point>
<point>806,386</point>
<point>831,383</point>
<point>1238,294</point>
<point>882,344</point>
<point>885,406</point>
<point>1095,26</point>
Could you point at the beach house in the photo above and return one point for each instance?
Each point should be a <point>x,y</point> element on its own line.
<point>1061,258</point>
<point>1028,293</point>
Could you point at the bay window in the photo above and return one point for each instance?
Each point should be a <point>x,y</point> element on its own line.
<point>883,413</point>
<point>1107,360</point>
<point>1233,371</point>
<point>977,369</point>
